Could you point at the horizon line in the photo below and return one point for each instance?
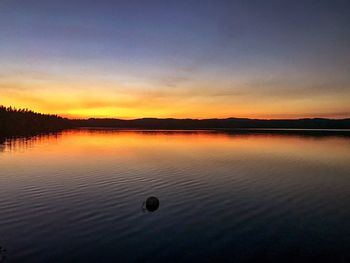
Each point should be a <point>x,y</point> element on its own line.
<point>201,119</point>
<point>72,117</point>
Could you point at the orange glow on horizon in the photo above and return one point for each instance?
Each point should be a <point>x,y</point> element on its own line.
<point>84,100</point>
<point>181,110</point>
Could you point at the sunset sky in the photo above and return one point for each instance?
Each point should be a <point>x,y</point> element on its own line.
<point>197,59</point>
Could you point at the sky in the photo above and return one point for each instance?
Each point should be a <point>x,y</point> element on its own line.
<point>179,59</point>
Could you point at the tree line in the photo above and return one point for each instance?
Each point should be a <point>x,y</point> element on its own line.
<point>23,121</point>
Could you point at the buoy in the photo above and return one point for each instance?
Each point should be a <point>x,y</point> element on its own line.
<point>152,203</point>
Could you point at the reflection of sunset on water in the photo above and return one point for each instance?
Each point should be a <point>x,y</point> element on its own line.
<point>123,145</point>
<point>92,185</point>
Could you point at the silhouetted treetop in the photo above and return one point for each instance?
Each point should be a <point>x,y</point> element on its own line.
<point>23,121</point>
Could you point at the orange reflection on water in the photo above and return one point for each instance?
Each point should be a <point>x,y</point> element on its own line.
<point>88,144</point>
<point>92,156</point>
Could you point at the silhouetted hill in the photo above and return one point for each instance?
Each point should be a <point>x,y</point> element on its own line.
<point>229,123</point>
<point>22,121</point>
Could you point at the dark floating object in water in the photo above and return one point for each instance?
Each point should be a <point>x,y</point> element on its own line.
<point>152,204</point>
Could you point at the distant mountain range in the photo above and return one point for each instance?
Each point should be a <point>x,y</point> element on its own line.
<point>23,121</point>
<point>229,123</point>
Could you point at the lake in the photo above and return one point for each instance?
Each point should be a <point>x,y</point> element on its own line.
<point>77,196</point>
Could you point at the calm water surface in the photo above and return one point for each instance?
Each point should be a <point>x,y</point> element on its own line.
<point>76,196</point>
